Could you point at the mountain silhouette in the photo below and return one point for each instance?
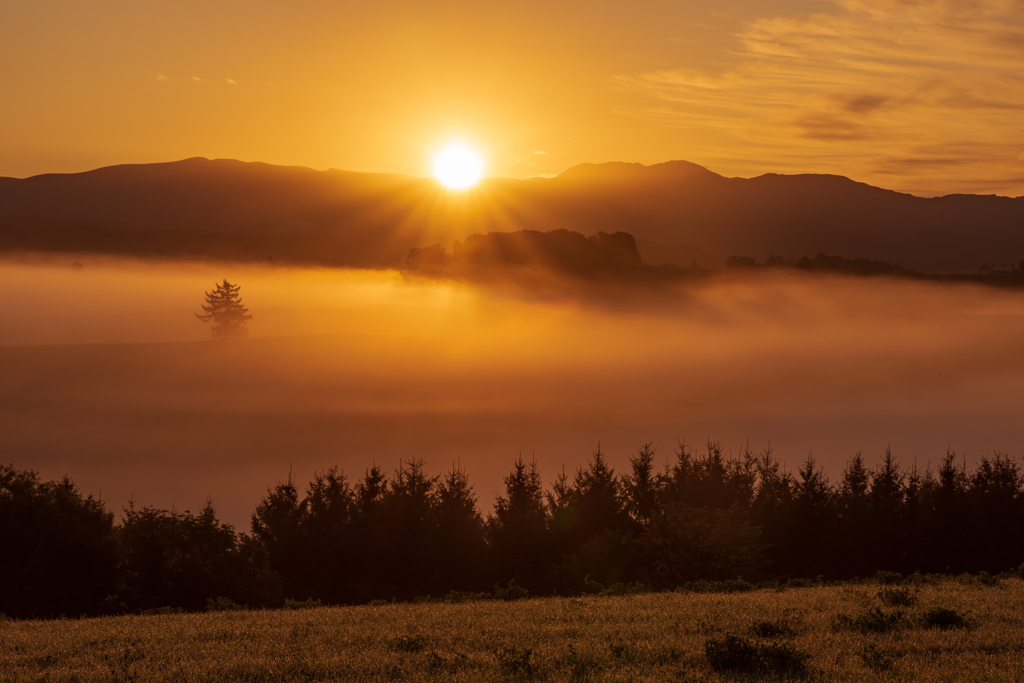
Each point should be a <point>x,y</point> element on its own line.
<point>678,212</point>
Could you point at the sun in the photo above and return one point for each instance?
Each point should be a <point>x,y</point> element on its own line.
<point>458,166</point>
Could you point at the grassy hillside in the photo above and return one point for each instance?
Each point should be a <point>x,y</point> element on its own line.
<point>847,632</point>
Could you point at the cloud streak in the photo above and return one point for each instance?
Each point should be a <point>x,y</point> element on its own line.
<point>861,91</point>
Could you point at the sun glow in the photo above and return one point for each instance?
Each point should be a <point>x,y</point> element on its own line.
<point>458,166</point>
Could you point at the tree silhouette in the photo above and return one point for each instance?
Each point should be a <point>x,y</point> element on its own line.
<point>57,547</point>
<point>224,307</point>
<point>518,529</point>
<point>458,547</point>
<point>640,487</point>
<point>171,559</point>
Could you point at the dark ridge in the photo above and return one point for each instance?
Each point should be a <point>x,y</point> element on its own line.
<point>674,209</point>
<point>618,171</point>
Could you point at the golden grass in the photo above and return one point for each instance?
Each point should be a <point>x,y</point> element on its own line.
<point>651,637</point>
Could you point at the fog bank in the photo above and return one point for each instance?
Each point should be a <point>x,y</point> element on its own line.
<point>106,375</point>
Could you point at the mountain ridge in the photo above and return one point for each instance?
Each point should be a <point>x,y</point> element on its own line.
<point>373,219</point>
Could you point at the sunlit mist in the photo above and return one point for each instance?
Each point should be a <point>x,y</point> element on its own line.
<point>458,166</point>
<point>107,375</point>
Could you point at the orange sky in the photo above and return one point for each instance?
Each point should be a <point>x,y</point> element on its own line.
<point>924,96</point>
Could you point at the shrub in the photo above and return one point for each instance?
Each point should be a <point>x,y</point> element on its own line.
<point>456,597</point>
<point>897,596</point>
<point>450,664</point>
<point>591,587</point>
<point>622,651</point>
<point>415,643</point>
<point>579,665</point>
<point>873,620</point>
<point>731,586</point>
<point>986,579</point>
<point>516,661</point>
<point>311,603</point>
<point>222,604</point>
<point>161,611</point>
<point>888,578</point>
<point>878,659</point>
<point>772,629</point>
<point>512,592</point>
<point>733,654</point>
<point>943,618</point>
<point>919,579</point>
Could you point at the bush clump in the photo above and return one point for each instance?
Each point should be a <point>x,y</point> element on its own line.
<point>512,592</point>
<point>458,597</point>
<point>888,578</point>
<point>415,643</point>
<point>222,604</point>
<point>772,629</point>
<point>874,620</point>
<point>943,618</point>
<point>733,654</point>
<point>878,659</point>
<point>986,579</point>
<point>516,661</point>
<point>730,586</point>
<point>897,596</point>
<point>451,663</point>
<point>158,611</point>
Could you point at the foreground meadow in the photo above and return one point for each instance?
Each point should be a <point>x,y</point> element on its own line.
<point>849,632</point>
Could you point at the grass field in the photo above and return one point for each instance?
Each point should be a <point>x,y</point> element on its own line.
<point>955,629</point>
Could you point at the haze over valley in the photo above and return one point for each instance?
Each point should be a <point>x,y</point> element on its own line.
<point>108,376</point>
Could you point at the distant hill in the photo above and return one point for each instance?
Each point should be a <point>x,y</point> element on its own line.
<point>678,212</point>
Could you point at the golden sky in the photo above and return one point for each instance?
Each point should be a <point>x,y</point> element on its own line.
<point>924,96</point>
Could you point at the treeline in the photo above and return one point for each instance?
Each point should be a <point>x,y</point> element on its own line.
<point>61,553</point>
<point>410,534</point>
<point>1000,275</point>
<point>826,263</point>
<point>563,254</point>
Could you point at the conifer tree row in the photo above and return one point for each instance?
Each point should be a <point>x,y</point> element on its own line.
<point>702,516</point>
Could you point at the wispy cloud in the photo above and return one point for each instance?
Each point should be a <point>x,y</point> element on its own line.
<point>161,77</point>
<point>231,81</point>
<point>197,79</point>
<point>912,94</point>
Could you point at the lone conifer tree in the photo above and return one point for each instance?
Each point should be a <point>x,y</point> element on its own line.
<point>224,307</point>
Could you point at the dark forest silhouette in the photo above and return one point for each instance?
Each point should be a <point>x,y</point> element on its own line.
<point>702,518</point>
<point>534,258</point>
<point>525,255</point>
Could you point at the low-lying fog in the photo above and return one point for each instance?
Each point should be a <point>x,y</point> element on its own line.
<point>106,375</point>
